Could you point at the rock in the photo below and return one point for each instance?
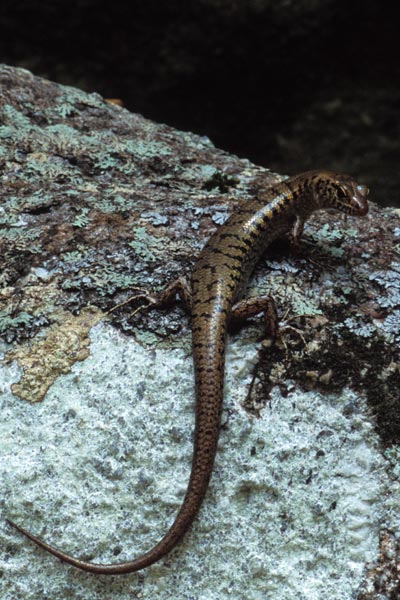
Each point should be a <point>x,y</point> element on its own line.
<point>97,204</point>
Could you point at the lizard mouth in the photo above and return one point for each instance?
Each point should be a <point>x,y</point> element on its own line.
<point>359,204</point>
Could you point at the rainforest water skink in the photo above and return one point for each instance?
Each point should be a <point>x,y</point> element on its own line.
<point>213,295</point>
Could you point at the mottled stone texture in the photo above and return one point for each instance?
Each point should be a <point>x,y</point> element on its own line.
<point>96,202</point>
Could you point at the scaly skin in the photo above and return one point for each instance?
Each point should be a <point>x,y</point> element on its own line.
<point>221,271</point>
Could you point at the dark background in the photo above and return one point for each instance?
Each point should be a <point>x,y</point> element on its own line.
<point>292,85</point>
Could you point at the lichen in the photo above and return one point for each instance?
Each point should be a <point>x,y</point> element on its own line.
<point>46,358</point>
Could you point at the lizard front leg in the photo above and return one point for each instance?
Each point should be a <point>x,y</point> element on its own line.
<point>179,287</point>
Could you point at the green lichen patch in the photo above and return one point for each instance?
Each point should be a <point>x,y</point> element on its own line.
<point>24,313</point>
<point>144,244</point>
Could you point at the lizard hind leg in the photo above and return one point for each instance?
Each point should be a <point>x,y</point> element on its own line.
<point>250,307</point>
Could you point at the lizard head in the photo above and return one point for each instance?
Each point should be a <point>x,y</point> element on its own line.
<point>341,192</point>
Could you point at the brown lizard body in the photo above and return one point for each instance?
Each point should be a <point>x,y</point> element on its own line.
<point>218,278</point>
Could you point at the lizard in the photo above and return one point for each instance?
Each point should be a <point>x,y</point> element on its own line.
<point>213,296</point>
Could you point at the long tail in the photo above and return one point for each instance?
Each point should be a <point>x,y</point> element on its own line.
<point>184,518</point>
<point>209,391</point>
